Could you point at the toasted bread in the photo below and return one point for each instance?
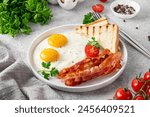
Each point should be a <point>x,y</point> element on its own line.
<point>100,22</point>
<point>106,34</point>
<point>109,38</point>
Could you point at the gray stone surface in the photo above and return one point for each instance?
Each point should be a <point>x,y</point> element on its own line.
<point>136,62</point>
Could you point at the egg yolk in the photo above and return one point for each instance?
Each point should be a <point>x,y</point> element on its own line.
<point>49,55</point>
<point>57,40</point>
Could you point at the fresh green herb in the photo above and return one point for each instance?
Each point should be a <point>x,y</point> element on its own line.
<point>54,71</point>
<point>94,43</point>
<point>88,18</point>
<point>46,65</point>
<point>46,75</point>
<point>47,71</point>
<point>15,15</point>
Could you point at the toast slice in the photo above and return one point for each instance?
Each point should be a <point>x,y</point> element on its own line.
<point>108,37</point>
<point>106,34</point>
<point>100,22</point>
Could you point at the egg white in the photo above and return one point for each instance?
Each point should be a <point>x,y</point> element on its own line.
<point>70,54</point>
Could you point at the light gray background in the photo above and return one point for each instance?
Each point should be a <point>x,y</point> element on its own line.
<point>136,62</point>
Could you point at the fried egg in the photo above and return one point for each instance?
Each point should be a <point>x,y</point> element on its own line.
<point>49,55</point>
<point>57,40</point>
<point>62,52</point>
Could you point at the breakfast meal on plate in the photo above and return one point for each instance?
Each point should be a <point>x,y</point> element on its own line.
<point>90,51</point>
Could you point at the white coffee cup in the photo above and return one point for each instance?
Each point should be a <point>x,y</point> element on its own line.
<point>68,4</point>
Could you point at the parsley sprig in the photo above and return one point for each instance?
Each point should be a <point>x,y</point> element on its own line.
<point>46,65</point>
<point>16,15</point>
<point>47,71</point>
<point>88,18</point>
<point>94,43</point>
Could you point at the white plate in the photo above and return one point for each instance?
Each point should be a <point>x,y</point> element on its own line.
<point>87,86</point>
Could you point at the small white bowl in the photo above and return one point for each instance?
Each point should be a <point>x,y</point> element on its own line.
<point>132,3</point>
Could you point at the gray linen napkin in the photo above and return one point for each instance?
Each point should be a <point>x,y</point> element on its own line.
<point>18,82</point>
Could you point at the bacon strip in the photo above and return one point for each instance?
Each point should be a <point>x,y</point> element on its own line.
<point>85,64</point>
<point>104,64</point>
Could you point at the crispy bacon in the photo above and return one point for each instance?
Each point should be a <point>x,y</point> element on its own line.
<point>90,68</point>
<point>85,64</point>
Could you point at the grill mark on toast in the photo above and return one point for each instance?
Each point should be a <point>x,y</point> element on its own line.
<point>87,30</point>
<point>100,33</point>
<point>93,31</point>
<point>100,30</point>
<point>81,28</point>
<point>107,27</point>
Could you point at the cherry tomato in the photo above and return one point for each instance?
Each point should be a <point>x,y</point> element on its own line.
<point>103,0</point>
<point>137,84</point>
<point>148,92</point>
<point>147,85</point>
<point>123,94</point>
<point>139,97</point>
<point>98,8</point>
<point>91,51</point>
<point>147,76</point>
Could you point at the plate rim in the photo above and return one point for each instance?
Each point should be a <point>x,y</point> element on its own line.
<point>74,89</point>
